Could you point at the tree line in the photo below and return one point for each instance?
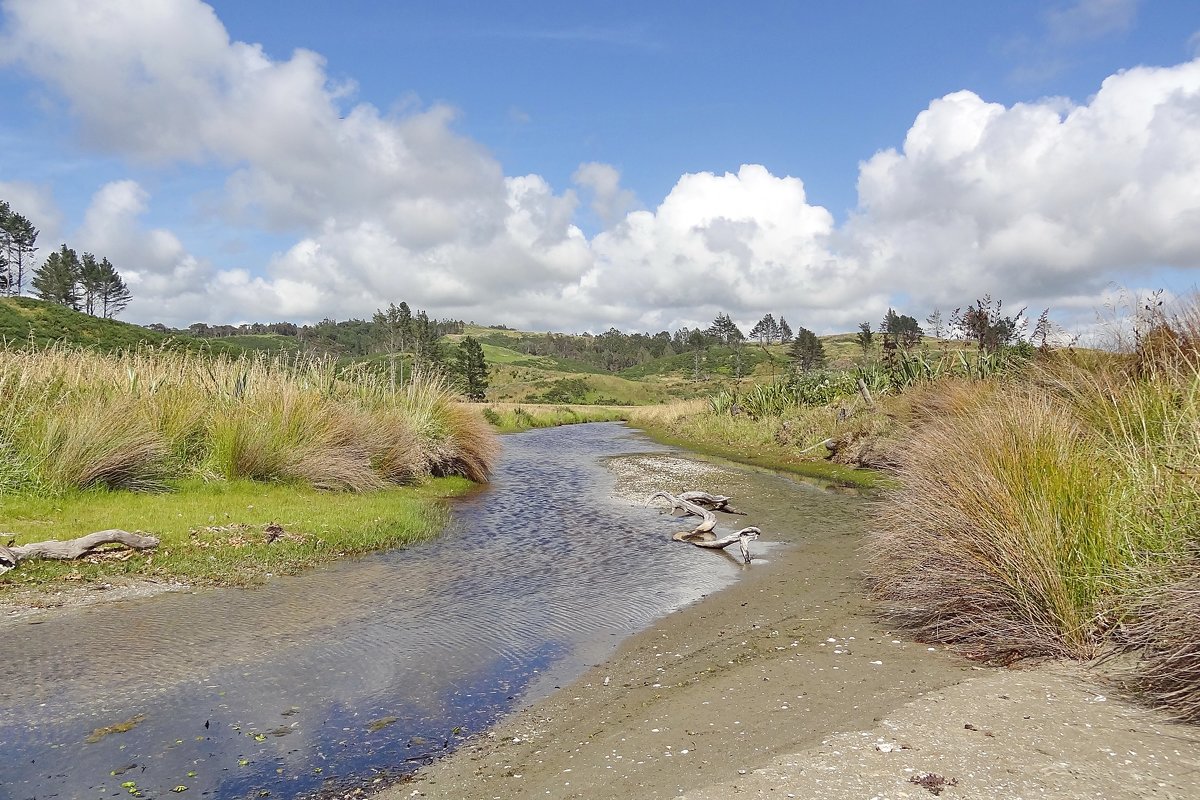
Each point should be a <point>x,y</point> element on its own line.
<point>83,283</point>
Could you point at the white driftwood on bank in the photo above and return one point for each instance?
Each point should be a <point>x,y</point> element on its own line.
<point>691,509</point>
<point>742,537</point>
<point>702,536</point>
<point>71,549</point>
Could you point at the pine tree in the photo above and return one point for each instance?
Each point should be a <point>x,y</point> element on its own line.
<point>472,369</point>
<point>17,244</point>
<point>902,329</point>
<point>806,351</point>
<point>57,279</point>
<point>425,342</point>
<point>112,295</point>
<point>785,331</point>
<point>864,337</point>
<point>90,278</point>
<point>394,327</point>
<point>766,330</point>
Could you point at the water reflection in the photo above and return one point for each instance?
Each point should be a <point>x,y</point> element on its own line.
<point>360,670</point>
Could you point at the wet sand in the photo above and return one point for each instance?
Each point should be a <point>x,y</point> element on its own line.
<point>784,685</point>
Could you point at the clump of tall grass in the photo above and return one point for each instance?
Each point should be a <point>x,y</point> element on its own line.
<point>1051,512</point>
<point>1165,629</point>
<point>75,419</point>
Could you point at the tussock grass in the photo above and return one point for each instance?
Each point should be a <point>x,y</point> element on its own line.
<point>1053,512</point>
<point>75,419</point>
<point>1164,631</point>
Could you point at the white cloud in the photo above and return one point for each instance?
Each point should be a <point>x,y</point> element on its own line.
<point>744,243</point>
<point>1035,200</point>
<point>1090,19</point>
<point>35,203</point>
<point>609,201</point>
<point>1035,203</point>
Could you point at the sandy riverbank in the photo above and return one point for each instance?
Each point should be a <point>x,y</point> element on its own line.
<point>784,686</point>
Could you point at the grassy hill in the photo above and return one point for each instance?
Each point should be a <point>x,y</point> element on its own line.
<point>25,321</point>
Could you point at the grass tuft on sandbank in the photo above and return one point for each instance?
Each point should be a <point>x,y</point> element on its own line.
<point>1057,512</point>
<point>170,443</point>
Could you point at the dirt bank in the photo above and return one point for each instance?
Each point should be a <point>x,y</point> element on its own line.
<point>784,686</point>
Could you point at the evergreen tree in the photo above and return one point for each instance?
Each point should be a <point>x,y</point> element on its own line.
<point>727,331</point>
<point>806,351</point>
<point>766,330</point>
<point>785,331</point>
<point>112,295</point>
<point>90,278</point>
<point>57,279</point>
<point>902,329</point>
<point>472,369</point>
<point>864,337</point>
<point>426,349</point>
<point>394,327</point>
<point>17,245</point>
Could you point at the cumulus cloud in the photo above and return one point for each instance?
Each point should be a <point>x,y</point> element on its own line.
<point>739,242</point>
<point>609,201</point>
<point>1040,200</point>
<point>35,203</point>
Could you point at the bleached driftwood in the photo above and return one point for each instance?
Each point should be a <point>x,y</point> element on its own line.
<point>702,536</point>
<point>717,502</point>
<point>742,537</point>
<point>71,549</point>
<point>689,508</point>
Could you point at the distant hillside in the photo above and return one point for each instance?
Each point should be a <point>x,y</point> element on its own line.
<point>524,366</point>
<point>24,320</point>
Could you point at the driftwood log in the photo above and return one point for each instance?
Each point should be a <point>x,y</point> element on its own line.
<point>71,549</point>
<point>717,502</point>
<point>698,504</point>
<point>742,537</point>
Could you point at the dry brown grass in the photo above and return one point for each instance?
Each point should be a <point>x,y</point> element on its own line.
<point>1165,631</point>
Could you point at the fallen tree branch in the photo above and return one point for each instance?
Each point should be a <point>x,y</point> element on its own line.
<point>71,549</point>
<point>717,502</point>
<point>743,537</point>
<point>702,535</point>
<point>690,509</point>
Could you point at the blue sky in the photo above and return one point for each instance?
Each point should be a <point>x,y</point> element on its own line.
<point>579,165</point>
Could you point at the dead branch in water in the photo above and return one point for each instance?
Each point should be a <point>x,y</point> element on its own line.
<point>742,537</point>
<point>717,502</point>
<point>702,536</point>
<point>71,549</point>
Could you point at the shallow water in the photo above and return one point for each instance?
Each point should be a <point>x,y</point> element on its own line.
<point>360,671</point>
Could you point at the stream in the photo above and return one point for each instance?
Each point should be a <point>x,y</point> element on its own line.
<point>355,674</point>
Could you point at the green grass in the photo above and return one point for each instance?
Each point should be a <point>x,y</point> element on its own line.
<point>212,533</point>
<point>25,321</point>
<point>513,418</point>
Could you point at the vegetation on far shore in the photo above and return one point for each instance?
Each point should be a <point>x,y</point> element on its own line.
<point>86,430</point>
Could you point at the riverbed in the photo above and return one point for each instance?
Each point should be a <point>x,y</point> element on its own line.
<point>358,673</point>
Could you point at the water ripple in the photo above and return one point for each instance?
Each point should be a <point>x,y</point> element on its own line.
<point>277,687</point>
